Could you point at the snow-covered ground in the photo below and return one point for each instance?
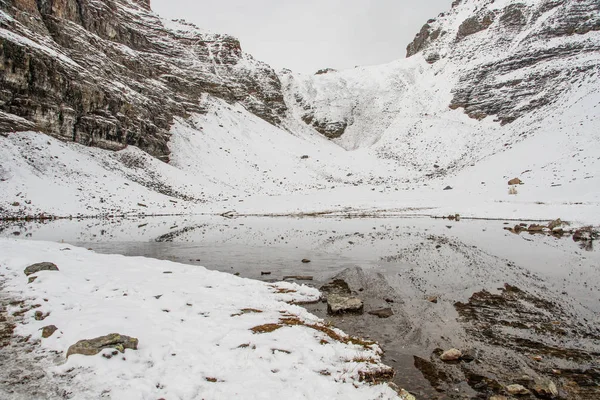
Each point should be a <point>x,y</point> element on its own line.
<point>194,328</point>
<point>230,160</point>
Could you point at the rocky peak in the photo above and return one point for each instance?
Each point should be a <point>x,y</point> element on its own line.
<point>110,73</point>
<point>491,40</point>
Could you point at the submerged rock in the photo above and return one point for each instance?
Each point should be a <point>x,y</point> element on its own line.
<point>90,347</point>
<point>545,388</point>
<point>382,313</point>
<point>43,266</point>
<point>337,286</point>
<point>339,304</point>
<point>451,355</point>
<point>516,389</point>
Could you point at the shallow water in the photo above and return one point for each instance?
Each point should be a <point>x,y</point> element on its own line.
<point>402,260</point>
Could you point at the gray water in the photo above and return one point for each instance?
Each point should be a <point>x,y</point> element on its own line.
<point>408,259</point>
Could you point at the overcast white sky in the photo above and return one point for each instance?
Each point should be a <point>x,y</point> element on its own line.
<point>307,35</point>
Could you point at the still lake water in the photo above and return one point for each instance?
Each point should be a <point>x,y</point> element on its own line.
<point>404,260</point>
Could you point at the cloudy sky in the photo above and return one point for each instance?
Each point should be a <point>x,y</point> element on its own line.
<point>307,35</point>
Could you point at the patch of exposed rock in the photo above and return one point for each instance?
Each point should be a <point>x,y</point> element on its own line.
<point>43,266</point>
<point>90,347</point>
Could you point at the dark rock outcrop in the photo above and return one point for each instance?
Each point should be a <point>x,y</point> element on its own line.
<point>43,266</point>
<point>110,73</point>
<point>520,38</point>
<point>90,347</point>
<point>474,24</point>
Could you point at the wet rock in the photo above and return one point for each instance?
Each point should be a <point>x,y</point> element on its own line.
<point>557,223</point>
<point>44,266</point>
<point>536,228</point>
<point>585,234</point>
<point>451,355</point>
<point>382,313</point>
<point>48,331</point>
<point>517,390</point>
<point>545,388</point>
<point>337,286</point>
<point>90,347</point>
<point>305,260</point>
<point>339,304</point>
<point>515,181</point>
<point>482,383</point>
<point>436,377</point>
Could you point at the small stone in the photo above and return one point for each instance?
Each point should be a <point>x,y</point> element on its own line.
<point>535,228</point>
<point>545,388</point>
<point>515,181</point>
<point>32,279</point>
<point>305,260</point>
<point>44,266</point>
<point>557,223</point>
<point>39,316</point>
<point>516,389</point>
<point>448,188</point>
<point>432,299</point>
<point>90,347</point>
<point>404,395</point>
<point>451,355</point>
<point>536,358</point>
<point>382,313</point>
<point>48,331</point>
<point>264,273</point>
<point>338,304</point>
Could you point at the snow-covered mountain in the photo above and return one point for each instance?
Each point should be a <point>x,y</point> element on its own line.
<point>491,90</point>
<point>111,73</point>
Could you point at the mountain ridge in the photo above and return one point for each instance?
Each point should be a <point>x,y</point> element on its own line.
<point>490,106</point>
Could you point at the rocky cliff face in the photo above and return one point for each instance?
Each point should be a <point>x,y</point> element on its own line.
<point>518,55</point>
<point>111,73</point>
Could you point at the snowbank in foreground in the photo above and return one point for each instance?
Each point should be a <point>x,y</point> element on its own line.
<point>195,340</point>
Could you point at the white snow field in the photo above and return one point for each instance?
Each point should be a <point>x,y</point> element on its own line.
<point>194,328</point>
